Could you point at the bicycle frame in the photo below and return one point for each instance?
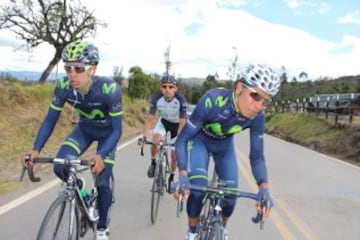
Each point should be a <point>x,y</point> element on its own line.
<point>80,216</point>
<point>162,169</point>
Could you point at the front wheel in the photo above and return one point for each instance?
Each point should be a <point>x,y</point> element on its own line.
<point>155,194</point>
<point>61,220</point>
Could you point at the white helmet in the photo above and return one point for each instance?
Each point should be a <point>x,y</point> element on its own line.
<point>261,76</point>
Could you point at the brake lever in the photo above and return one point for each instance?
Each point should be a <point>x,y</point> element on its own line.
<point>30,171</point>
<point>259,218</point>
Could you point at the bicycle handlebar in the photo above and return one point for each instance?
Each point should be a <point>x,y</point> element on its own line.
<point>142,142</point>
<point>64,161</point>
<point>223,192</point>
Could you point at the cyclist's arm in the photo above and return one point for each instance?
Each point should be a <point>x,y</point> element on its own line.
<point>51,118</point>
<point>115,112</point>
<point>149,122</point>
<point>192,127</point>
<point>182,113</point>
<point>257,159</point>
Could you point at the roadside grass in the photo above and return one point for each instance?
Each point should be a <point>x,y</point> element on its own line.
<point>317,133</point>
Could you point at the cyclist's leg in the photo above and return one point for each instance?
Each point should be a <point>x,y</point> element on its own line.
<point>173,129</point>
<point>198,170</point>
<point>73,146</point>
<point>158,133</point>
<point>227,170</point>
<point>104,190</point>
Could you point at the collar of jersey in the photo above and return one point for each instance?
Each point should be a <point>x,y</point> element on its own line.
<point>234,102</point>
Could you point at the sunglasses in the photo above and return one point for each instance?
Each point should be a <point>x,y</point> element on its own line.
<point>257,97</point>
<point>167,86</point>
<point>76,68</point>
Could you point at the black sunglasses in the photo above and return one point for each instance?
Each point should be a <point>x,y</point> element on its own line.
<point>167,86</point>
<point>257,97</point>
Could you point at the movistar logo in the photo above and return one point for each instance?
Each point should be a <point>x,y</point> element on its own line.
<point>220,101</point>
<point>108,88</point>
<point>208,102</point>
<point>217,129</point>
<point>63,84</point>
<point>92,115</point>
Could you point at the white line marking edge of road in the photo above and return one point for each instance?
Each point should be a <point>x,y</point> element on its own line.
<point>14,203</point>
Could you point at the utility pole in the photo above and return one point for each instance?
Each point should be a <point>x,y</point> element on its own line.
<point>167,60</point>
<point>232,72</point>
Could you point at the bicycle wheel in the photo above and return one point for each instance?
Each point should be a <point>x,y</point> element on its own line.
<point>156,193</point>
<point>61,220</point>
<point>112,186</point>
<point>167,172</point>
<point>203,225</point>
<point>218,231</point>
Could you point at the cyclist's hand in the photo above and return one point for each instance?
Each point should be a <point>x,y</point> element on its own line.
<point>98,164</point>
<point>263,197</point>
<point>141,141</point>
<point>30,163</point>
<point>181,188</point>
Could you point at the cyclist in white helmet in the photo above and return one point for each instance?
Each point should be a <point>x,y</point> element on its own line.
<point>218,115</point>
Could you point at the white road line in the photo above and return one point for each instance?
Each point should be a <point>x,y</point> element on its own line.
<point>30,195</point>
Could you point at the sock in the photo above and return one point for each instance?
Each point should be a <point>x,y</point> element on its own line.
<point>192,229</point>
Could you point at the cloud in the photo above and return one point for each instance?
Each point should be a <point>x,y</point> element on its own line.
<point>349,18</point>
<point>202,36</point>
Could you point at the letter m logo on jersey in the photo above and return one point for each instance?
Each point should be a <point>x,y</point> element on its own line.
<point>64,84</point>
<point>108,88</point>
<point>220,101</point>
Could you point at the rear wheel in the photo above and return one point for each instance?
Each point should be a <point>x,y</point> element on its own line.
<point>61,220</point>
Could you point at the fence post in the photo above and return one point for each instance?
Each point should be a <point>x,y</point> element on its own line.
<point>336,112</point>
<point>326,109</point>
<point>317,108</point>
<point>351,108</point>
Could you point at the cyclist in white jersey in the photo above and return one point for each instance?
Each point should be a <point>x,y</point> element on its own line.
<point>172,111</point>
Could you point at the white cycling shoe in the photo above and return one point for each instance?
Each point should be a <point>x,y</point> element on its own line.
<point>191,236</point>
<point>102,234</point>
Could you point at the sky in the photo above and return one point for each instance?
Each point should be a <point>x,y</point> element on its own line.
<point>320,38</point>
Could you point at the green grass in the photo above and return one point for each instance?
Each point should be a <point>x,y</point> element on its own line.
<point>317,133</point>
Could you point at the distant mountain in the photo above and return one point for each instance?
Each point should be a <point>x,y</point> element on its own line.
<point>28,75</point>
<point>35,76</point>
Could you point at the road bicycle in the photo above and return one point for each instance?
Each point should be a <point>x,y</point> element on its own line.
<point>162,171</point>
<point>210,226</point>
<point>70,216</point>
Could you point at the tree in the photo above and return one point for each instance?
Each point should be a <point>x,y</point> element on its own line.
<point>118,76</point>
<point>283,75</point>
<point>56,22</point>
<point>138,83</point>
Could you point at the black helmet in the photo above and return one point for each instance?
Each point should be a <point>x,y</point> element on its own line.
<point>167,78</point>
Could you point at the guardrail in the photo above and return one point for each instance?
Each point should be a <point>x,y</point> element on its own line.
<point>342,111</point>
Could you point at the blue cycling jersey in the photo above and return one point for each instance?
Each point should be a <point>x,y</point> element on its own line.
<point>100,112</point>
<point>216,119</point>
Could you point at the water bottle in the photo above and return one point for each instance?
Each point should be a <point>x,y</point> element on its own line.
<point>84,193</point>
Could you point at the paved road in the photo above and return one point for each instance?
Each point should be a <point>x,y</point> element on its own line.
<point>316,197</point>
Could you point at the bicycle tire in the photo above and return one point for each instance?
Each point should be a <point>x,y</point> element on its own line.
<point>167,172</point>
<point>59,213</point>
<point>112,186</point>
<point>155,194</point>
